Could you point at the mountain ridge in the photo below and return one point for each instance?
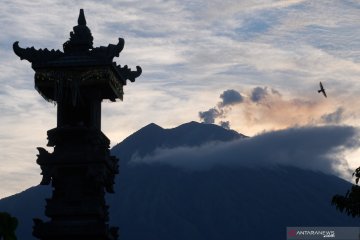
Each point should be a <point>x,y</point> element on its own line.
<point>188,134</point>
<point>159,202</point>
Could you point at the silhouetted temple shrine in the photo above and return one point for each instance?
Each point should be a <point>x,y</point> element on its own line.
<point>80,168</point>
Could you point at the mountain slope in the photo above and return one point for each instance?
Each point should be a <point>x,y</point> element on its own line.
<point>222,203</point>
<point>191,134</point>
<point>157,201</point>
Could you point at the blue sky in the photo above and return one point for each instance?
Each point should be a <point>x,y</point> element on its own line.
<point>190,53</point>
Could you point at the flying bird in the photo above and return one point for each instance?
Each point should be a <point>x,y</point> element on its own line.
<point>322,89</point>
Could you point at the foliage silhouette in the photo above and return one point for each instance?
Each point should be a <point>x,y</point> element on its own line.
<point>8,225</point>
<point>350,203</point>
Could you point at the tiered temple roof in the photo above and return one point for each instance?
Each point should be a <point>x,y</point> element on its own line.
<point>78,52</point>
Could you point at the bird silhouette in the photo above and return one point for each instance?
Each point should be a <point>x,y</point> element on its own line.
<point>322,90</point>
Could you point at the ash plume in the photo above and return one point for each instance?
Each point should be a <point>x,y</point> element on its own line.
<point>259,94</point>
<point>229,98</point>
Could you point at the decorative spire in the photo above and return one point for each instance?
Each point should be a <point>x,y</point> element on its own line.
<point>81,19</point>
<point>81,39</point>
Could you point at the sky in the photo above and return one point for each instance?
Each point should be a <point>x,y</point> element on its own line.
<point>252,66</point>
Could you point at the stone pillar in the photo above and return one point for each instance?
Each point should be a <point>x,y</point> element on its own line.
<point>80,168</point>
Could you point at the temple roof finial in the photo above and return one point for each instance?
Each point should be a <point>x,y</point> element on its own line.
<point>81,39</point>
<point>81,19</point>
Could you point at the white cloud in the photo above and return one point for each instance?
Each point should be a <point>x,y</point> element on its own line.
<point>313,148</point>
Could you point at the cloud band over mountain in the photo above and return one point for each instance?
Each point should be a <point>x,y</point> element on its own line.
<point>314,148</point>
